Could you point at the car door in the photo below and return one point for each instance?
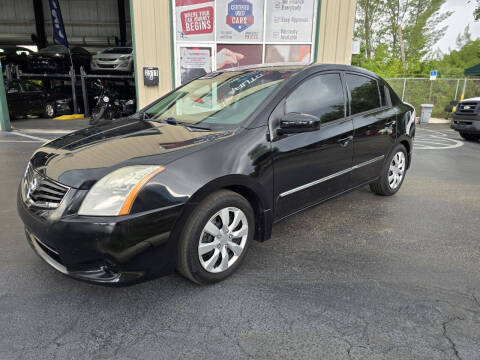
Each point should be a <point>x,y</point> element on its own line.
<point>374,121</point>
<point>312,166</point>
<point>15,99</point>
<point>34,96</point>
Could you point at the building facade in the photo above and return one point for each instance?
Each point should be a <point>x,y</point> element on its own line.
<point>177,40</point>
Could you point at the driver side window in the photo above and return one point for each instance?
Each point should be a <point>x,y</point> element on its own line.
<point>321,96</point>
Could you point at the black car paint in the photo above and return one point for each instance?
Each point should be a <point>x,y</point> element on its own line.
<point>9,56</point>
<point>56,59</point>
<point>251,160</point>
<point>33,102</point>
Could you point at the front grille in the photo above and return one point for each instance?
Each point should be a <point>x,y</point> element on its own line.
<point>41,191</point>
<point>467,108</point>
<point>107,59</point>
<point>106,66</point>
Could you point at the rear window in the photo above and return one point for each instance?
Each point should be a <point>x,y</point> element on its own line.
<point>364,94</point>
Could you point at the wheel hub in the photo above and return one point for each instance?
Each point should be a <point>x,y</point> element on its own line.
<point>221,246</point>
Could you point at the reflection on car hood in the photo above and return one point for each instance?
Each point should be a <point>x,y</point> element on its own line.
<point>82,157</point>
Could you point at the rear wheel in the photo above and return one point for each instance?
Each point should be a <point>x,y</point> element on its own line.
<point>393,173</point>
<point>470,137</point>
<point>216,237</point>
<point>49,110</point>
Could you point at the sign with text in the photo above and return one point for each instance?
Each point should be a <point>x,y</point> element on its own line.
<point>240,20</point>
<point>433,75</point>
<point>150,76</point>
<point>195,20</point>
<point>194,62</point>
<point>290,20</point>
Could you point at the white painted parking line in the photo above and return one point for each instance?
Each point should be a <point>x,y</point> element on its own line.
<point>434,140</point>
<point>39,139</point>
<point>20,141</point>
<point>51,131</point>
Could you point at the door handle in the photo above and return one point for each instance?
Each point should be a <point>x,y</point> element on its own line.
<point>344,141</point>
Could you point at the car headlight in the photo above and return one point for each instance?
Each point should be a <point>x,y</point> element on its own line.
<point>124,57</point>
<point>115,193</point>
<point>63,101</point>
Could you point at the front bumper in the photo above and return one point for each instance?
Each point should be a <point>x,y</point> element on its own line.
<point>63,108</point>
<point>466,124</point>
<point>104,250</point>
<point>115,65</point>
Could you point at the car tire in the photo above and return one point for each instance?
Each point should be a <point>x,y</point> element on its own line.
<point>470,137</point>
<point>392,174</point>
<point>204,258</point>
<point>49,110</point>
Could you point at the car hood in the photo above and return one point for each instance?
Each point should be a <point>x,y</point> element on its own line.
<point>81,158</point>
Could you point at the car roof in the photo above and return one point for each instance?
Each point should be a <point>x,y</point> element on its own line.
<point>13,48</point>
<point>311,68</point>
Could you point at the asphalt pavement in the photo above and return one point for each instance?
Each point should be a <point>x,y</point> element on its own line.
<point>359,277</point>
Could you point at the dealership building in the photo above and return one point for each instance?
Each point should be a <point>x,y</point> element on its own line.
<point>177,40</point>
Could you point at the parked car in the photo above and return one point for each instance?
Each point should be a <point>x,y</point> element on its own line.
<point>56,59</point>
<point>113,59</point>
<point>25,97</point>
<point>192,179</point>
<point>14,55</point>
<point>466,119</point>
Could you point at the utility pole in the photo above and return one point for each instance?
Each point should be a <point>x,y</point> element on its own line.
<point>402,48</point>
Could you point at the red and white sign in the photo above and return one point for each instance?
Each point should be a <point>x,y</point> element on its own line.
<point>195,20</point>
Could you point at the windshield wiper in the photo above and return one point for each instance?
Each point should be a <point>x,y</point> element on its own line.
<point>173,121</point>
<point>139,116</point>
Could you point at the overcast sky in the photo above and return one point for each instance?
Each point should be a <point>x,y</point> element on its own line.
<point>462,15</point>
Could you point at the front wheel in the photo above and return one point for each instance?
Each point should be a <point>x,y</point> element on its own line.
<point>97,115</point>
<point>470,137</point>
<point>216,237</point>
<point>393,173</point>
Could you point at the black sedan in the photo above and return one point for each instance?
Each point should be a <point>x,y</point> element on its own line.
<point>25,97</point>
<point>191,180</point>
<point>56,59</point>
<point>14,55</point>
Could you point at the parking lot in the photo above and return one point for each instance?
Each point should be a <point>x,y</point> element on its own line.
<point>359,277</point>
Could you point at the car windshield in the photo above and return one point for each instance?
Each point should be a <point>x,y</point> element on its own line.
<point>118,51</point>
<point>54,49</point>
<point>219,100</point>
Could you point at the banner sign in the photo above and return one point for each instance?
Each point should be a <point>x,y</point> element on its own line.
<point>59,34</point>
<point>240,20</point>
<point>195,20</point>
<point>290,20</point>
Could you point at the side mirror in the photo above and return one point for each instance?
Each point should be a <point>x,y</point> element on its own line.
<point>293,123</point>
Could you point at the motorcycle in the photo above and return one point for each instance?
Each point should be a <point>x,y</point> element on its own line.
<point>108,106</point>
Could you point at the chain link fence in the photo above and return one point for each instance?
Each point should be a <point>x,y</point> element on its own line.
<point>440,92</point>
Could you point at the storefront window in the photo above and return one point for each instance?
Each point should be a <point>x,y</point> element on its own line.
<point>221,34</point>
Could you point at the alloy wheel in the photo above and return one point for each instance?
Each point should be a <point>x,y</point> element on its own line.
<point>223,239</point>
<point>49,110</point>
<point>396,170</point>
